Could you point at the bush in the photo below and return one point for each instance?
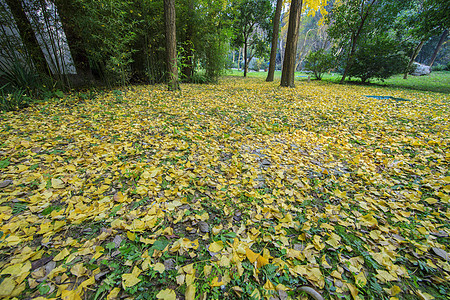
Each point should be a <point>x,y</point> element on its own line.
<point>20,77</point>
<point>439,67</point>
<point>319,62</point>
<point>258,64</point>
<point>379,58</point>
<point>14,100</point>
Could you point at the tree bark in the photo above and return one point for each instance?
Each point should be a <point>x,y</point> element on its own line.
<point>28,37</point>
<point>245,59</point>
<point>239,60</point>
<point>413,57</point>
<point>66,12</point>
<point>288,72</point>
<point>171,45</point>
<point>273,50</point>
<point>438,47</point>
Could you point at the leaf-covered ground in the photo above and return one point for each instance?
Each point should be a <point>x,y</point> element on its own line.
<point>238,190</point>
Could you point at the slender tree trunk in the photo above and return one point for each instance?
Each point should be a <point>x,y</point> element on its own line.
<point>355,38</point>
<point>288,72</point>
<point>239,60</point>
<point>171,45</point>
<point>413,57</point>
<point>66,12</point>
<point>273,50</point>
<point>245,59</point>
<point>28,37</point>
<point>438,47</point>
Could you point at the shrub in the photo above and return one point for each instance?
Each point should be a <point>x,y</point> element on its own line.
<point>439,67</point>
<point>379,58</point>
<point>319,62</point>
<point>20,77</point>
<point>258,64</point>
<point>14,100</point>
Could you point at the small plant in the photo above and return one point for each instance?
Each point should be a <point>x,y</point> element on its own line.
<point>14,100</point>
<point>319,62</point>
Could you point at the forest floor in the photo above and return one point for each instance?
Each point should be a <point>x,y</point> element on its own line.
<point>240,190</point>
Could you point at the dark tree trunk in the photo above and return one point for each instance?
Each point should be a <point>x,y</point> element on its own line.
<point>245,59</point>
<point>438,47</point>
<point>171,45</point>
<point>413,57</point>
<point>355,38</point>
<point>67,12</point>
<point>288,72</point>
<point>28,37</point>
<point>273,50</point>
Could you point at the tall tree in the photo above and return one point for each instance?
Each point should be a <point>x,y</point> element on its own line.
<point>275,33</point>
<point>438,47</point>
<point>251,26</point>
<point>28,36</point>
<point>67,11</point>
<point>171,45</point>
<point>425,18</point>
<point>288,71</point>
<point>349,21</point>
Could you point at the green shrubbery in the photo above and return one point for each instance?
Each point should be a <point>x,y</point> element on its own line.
<point>319,62</point>
<point>378,58</point>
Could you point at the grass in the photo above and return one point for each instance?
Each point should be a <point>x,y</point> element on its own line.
<point>316,185</point>
<point>438,81</point>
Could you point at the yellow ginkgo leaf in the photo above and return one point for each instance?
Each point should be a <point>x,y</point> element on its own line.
<point>70,295</point>
<point>78,270</point>
<point>7,287</point>
<point>166,294</point>
<point>159,267</point>
<point>113,294</point>
<point>190,292</point>
<point>216,246</point>
<point>130,279</point>
<point>269,286</point>
<point>360,279</point>
<point>131,236</point>
<point>216,282</point>
<point>251,256</point>
<point>57,183</point>
<point>61,255</point>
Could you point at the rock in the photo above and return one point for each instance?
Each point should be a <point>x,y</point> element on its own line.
<point>5,183</point>
<point>421,69</point>
<point>169,264</point>
<point>117,241</point>
<point>441,253</point>
<point>49,267</point>
<point>40,262</point>
<point>203,226</point>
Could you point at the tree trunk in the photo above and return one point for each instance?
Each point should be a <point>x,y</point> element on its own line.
<point>413,57</point>
<point>245,59</point>
<point>355,38</point>
<point>239,59</point>
<point>28,37</point>
<point>171,45</point>
<point>66,12</point>
<point>288,72</point>
<point>438,47</point>
<point>273,50</point>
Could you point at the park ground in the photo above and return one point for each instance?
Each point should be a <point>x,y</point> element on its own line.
<point>236,190</point>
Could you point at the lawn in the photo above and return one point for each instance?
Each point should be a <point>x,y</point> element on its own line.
<point>238,190</point>
<point>437,81</point>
